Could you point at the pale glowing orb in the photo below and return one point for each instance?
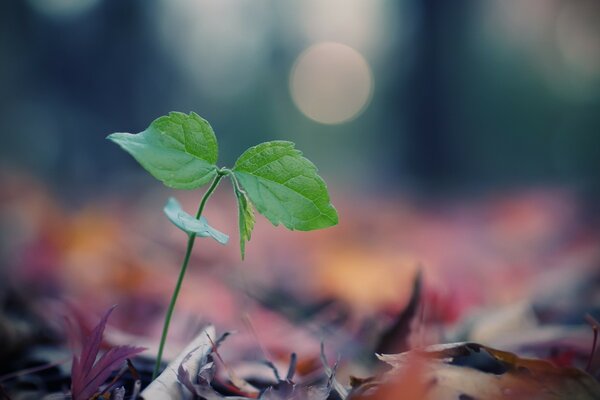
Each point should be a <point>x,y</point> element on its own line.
<point>331,83</point>
<point>578,37</point>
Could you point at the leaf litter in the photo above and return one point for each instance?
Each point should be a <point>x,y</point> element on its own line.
<point>571,345</point>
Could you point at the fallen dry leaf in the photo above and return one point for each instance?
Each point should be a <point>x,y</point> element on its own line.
<point>167,386</point>
<point>472,371</point>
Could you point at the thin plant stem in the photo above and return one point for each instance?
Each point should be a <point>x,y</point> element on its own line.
<point>186,260</point>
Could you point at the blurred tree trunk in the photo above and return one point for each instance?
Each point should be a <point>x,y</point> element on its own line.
<point>429,155</point>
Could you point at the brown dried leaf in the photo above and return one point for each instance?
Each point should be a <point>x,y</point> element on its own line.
<point>474,371</point>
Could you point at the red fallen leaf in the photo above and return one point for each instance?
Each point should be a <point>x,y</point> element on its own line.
<point>473,371</point>
<point>87,373</point>
<point>410,383</point>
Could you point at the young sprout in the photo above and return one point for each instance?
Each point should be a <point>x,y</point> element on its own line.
<point>273,177</point>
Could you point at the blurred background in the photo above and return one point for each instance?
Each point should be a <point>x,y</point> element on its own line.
<point>459,138</point>
<point>410,94</point>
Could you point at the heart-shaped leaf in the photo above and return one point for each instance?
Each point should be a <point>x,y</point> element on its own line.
<point>191,225</point>
<point>178,149</point>
<point>285,187</point>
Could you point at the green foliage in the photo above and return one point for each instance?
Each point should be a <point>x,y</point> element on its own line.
<point>245,215</point>
<point>180,150</point>
<point>191,225</point>
<point>285,187</point>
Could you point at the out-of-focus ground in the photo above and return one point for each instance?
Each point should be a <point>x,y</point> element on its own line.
<point>517,270</point>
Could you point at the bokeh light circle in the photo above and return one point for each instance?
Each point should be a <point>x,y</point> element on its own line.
<point>578,38</point>
<point>331,83</point>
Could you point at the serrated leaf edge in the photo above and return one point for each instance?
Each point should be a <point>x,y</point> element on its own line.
<point>291,146</point>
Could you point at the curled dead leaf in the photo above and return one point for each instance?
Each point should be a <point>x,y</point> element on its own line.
<point>474,371</point>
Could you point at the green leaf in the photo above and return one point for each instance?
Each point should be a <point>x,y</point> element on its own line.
<point>285,187</point>
<point>245,215</point>
<point>191,225</point>
<point>178,149</point>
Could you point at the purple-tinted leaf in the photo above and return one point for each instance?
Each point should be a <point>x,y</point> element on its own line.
<point>89,351</point>
<point>110,361</point>
<point>87,374</point>
<point>91,344</point>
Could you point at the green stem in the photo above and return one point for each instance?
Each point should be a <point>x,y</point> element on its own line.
<point>186,260</point>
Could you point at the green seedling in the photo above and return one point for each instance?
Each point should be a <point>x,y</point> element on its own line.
<point>181,151</point>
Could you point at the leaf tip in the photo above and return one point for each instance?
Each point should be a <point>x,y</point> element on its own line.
<point>112,137</point>
<point>223,238</point>
<point>118,138</point>
<point>171,203</point>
